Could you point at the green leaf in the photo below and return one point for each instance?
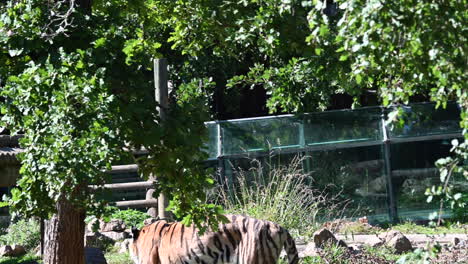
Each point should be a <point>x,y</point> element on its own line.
<point>358,78</point>
<point>15,52</point>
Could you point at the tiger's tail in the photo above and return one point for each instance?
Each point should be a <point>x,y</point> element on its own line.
<point>290,248</point>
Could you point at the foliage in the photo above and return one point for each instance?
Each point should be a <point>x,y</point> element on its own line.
<point>420,256</point>
<point>24,232</point>
<point>78,83</point>
<point>450,169</point>
<point>130,217</point>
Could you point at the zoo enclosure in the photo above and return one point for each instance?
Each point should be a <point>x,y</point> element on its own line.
<point>382,168</point>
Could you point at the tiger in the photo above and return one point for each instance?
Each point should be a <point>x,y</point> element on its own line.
<point>242,240</point>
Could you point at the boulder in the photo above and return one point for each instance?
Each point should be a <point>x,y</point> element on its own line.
<point>5,251</point>
<point>149,221</point>
<point>116,236</point>
<point>386,236</point>
<point>455,241</point>
<point>113,225</point>
<point>97,240</point>
<point>396,240</point>
<point>323,237</point>
<point>374,241</point>
<point>18,250</point>
<point>400,243</point>
<point>310,250</point>
<point>124,245</point>
<point>12,251</point>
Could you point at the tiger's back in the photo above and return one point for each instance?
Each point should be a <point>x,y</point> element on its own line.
<point>243,240</point>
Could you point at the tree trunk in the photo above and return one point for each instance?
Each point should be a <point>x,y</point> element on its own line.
<point>64,236</point>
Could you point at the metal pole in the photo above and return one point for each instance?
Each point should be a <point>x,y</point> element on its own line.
<point>161,96</point>
<point>392,206</point>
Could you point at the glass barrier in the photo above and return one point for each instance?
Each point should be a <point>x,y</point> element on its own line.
<point>424,120</point>
<point>351,180</point>
<point>353,170</point>
<point>413,171</point>
<point>212,144</point>
<point>335,127</point>
<point>244,136</point>
<point>357,175</point>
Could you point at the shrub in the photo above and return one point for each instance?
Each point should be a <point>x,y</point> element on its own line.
<point>130,217</point>
<point>23,232</point>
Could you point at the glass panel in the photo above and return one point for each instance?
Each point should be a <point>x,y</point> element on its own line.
<point>424,119</point>
<point>413,171</point>
<point>343,126</point>
<point>352,179</point>
<point>212,144</point>
<point>357,174</point>
<point>260,134</point>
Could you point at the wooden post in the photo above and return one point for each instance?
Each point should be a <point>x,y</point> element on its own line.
<point>161,95</point>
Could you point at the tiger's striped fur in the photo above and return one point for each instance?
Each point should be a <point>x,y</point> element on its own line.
<point>243,240</point>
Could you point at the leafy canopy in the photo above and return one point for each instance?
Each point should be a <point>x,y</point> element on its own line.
<point>79,84</point>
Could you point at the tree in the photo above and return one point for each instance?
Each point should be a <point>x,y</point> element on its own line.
<point>76,78</point>
<point>403,49</point>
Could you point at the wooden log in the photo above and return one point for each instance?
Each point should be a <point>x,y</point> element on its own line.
<point>125,186</point>
<point>368,164</point>
<point>415,173</point>
<point>137,203</point>
<point>119,169</point>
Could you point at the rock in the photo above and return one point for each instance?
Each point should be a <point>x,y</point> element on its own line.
<point>124,245</point>
<point>113,225</point>
<point>387,236</point>
<point>455,241</point>
<point>18,250</point>
<point>396,240</point>
<point>97,240</point>
<point>149,221</point>
<point>94,256</point>
<point>374,241</point>
<point>116,236</point>
<point>12,251</point>
<point>400,243</point>
<point>5,251</point>
<point>324,236</point>
<point>309,251</point>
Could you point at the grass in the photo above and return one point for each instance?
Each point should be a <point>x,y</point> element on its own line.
<point>281,194</point>
<point>412,228</point>
<point>118,258</point>
<point>382,252</point>
<point>114,257</point>
<point>26,259</point>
